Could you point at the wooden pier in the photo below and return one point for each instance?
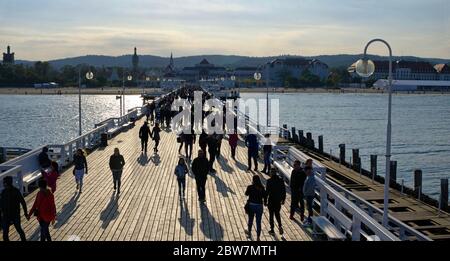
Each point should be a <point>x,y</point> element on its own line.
<point>425,218</point>
<point>148,208</point>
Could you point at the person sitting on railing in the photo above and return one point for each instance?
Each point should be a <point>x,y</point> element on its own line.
<point>44,160</point>
<point>51,175</point>
<point>10,201</point>
<point>309,193</point>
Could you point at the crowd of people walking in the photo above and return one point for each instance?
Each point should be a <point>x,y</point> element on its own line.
<point>272,194</point>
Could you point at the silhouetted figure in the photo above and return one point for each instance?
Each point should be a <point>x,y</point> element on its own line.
<point>276,195</point>
<point>219,138</point>
<point>44,209</point>
<point>180,139</point>
<point>144,133</point>
<point>203,140</point>
<point>232,140</point>
<point>256,196</point>
<point>200,168</point>
<point>309,193</point>
<point>181,171</point>
<point>80,169</point>
<point>251,141</point>
<point>298,177</point>
<point>212,149</point>
<point>44,160</point>
<point>267,150</point>
<point>116,163</point>
<point>189,140</point>
<point>10,201</point>
<point>51,176</point>
<point>156,136</point>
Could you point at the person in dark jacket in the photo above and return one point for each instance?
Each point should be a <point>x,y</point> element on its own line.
<point>116,163</point>
<point>212,149</point>
<point>10,201</point>
<point>309,193</point>
<point>200,168</point>
<point>44,160</point>
<point>267,149</point>
<point>144,133</point>
<point>256,197</point>
<point>189,141</point>
<point>276,195</point>
<point>203,140</point>
<point>252,145</point>
<point>156,136</point>
<point>298,177</point>
<point>80,169</point>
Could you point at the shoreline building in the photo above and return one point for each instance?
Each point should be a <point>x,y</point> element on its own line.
<point>203,70</point>
<point>278,69</point>
<point>8,57</point>
<point>443,71</point>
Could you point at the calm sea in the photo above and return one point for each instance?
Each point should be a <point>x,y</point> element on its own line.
<point>420,134</point>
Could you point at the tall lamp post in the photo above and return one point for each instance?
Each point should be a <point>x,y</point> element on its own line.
<point>257,77</point>
<point>129,78</point>
<point>365,68</point>
<point>89,76</point>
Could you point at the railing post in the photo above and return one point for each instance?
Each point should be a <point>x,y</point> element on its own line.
<point>356,229</point>
<point>323,196</point>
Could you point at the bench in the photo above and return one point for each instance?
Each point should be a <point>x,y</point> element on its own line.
<point>327,228</point>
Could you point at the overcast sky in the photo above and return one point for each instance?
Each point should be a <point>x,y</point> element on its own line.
<point>49,29</point>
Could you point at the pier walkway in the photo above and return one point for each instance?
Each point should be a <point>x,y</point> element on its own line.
<point>148,207</point>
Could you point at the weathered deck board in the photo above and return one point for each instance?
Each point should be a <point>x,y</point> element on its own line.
<point>148,207</point>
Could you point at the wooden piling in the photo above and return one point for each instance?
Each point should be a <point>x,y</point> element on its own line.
<point>444,194</point>
<point>321,143</point>
<point>342,153</point>
<point>373,166</point>
<point>356,159</point>
<point>418,181</point>
<point>294,135</point>
<point>301,138</point>
<point>393,172</point>
<point>309,140</point>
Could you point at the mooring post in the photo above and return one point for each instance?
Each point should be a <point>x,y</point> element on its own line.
<point>342,154</point>
<point>321,143</point>
<point>301,138</point>
<point>294,135</point>
<point>393,171</point>
<point>284,130</point>
<point>418,182</point>
<point>444,194</point>
<point>373,166</point>
<point>309,140</point>
<point>355,153</point>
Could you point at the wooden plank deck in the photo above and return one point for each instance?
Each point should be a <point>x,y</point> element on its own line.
<point>148,207</point>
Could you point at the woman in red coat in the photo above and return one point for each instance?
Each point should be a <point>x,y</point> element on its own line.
<point>232,140</point>
<point>51,176</point>
<point>44,209</point>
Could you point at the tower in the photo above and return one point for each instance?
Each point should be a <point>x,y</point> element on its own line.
<point>135,61</point>
<point>8,57</point>
<point>171,61</point>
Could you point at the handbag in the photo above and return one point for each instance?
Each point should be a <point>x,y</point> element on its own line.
<point>247,207</point>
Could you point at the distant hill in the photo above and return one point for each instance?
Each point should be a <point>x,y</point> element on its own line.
<point>229,61</point>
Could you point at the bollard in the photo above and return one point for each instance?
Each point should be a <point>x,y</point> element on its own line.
<point>294,135</point>
<point>356,159</point>
<point>321,143</point>
<point>417,181</point>
<point>342,153</point>
<point>284,130</point>
<point>444,194</point>
<point>373,166</point>
<point>301,138</point>
<point>393,171</point>
<point>309,142</point>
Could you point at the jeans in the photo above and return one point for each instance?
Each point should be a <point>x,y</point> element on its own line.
<point>296,198</point>
<point>201,188</point>
<point>45,232</point>
<point>266,162</point>
<point>309,205</point>
<point>255,210</point>
<point>79,175</point>
<point>274,210</point>
<point>117,176</point>
<point>181,186</point>
<point>5,226</point>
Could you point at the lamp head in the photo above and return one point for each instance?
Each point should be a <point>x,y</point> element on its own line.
<point>257,76</point>
<point>130,77</point>
<point>365,67</point>
<point>89,75</point>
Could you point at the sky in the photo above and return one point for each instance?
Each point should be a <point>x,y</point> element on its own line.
<point>52,29</point>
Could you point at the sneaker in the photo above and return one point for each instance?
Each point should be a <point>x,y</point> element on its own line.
<point>272,232</point>
<point>281,230</point>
